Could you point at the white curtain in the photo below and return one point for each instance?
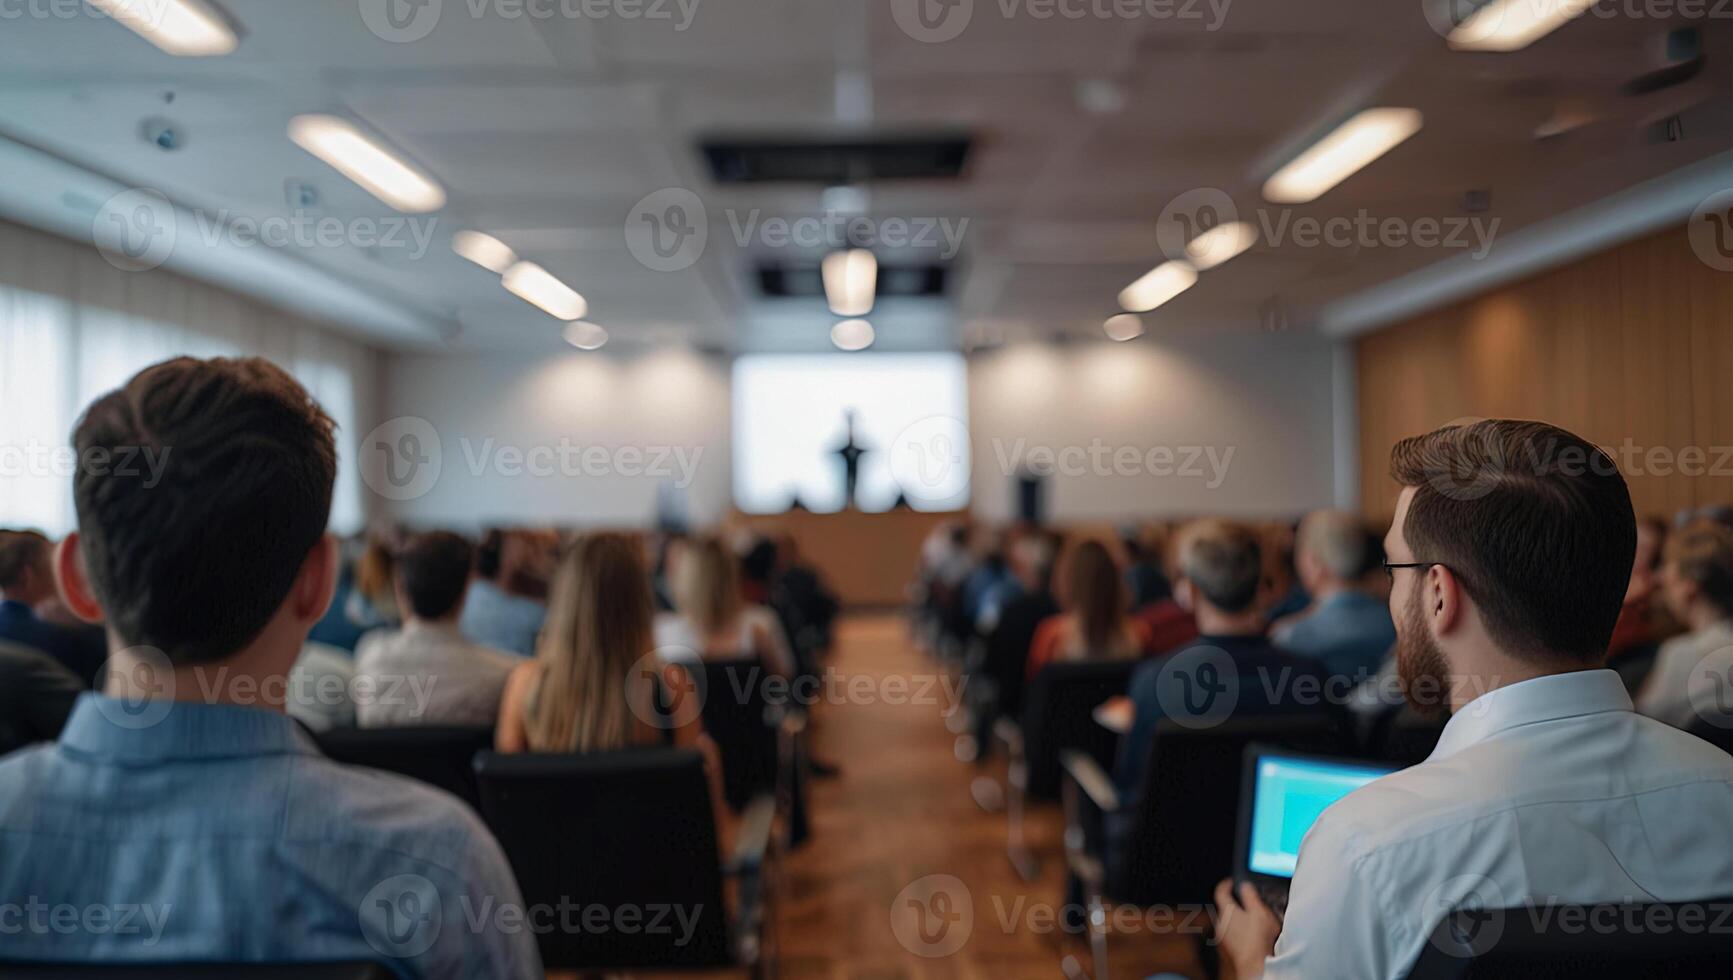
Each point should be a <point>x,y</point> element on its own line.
<point>73,327</point>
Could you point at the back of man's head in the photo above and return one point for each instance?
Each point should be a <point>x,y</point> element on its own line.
<point>23,559</point>
<point>195,556</point>
<point>1533,521</point>
<point>433,569</point>
<point>1223,561</point>
<point>1701,553</point>
<point>1334,542</point>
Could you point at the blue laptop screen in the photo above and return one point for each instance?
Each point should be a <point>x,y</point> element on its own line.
<point>1289,794</point>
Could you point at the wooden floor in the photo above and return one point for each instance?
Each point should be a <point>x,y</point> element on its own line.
<point>899,835</point>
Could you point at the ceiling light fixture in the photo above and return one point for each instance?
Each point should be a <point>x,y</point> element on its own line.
<point>1511,25</point>
<point>852,335</point>
<point>1336,157</point>
<point>183,28</point>
<point>1123,327</point>
<point>484,250</point>
<point>585,335</point>
<point>365,161</point>
<point>1220,243</point>
<point>851,280</point>
<point>539,287</point>
<point>1157,286</point>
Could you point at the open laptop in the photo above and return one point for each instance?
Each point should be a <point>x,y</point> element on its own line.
<point>1282,795</point>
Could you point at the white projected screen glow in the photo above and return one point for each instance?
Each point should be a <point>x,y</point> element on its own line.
<point>791,418</point>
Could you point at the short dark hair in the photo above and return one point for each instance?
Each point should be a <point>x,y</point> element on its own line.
<point>1702,552</point>
<point>1224,562</point>
<point>19,552</point>
<point>1535,522</point>
<point>433,569</point>
<point>195,556</point>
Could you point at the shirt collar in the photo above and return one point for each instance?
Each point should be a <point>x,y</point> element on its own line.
<point>1540,699</point>
<point>124,731</point>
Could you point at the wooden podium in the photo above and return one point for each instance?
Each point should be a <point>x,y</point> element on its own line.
<point>869,559</point>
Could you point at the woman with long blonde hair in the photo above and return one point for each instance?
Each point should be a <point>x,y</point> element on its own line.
<point>711,618</point>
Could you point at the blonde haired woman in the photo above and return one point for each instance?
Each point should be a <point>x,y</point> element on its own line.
<point>590,688</point>
<point>711,619</point>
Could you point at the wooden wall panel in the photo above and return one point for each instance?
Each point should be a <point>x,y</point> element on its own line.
<point>1631,348</point>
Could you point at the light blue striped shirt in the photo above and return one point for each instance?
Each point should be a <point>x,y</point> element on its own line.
<point>175,832</point>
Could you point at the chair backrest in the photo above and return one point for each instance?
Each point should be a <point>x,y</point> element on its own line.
<point>1058,707</point>
<point>1576,942</point>
<point>630,833</point>
<point>443,757</point>
<point>1406,737</point>
<point>740,719</point>
<point>1715,735</point>
<point>1180,840</point>
<point>214,971</point>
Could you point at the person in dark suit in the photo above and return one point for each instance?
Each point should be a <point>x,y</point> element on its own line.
<point>27,579</point>
<point>36,695</point>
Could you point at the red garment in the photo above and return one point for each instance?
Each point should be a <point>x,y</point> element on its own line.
<point>1634,629</point>
<point>1051,635</point>
<point>1168,624</point>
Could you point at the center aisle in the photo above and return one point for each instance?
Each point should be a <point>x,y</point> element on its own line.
<point>900,830</point>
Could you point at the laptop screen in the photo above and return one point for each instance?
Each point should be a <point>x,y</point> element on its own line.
<point>1288,794</point>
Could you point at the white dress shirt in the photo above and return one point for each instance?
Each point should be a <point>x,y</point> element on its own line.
<point>428,674</point>
<point>1552,789</point>
<point>1692,679</point>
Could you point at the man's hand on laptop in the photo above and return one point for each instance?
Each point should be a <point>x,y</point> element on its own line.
<point>1246,929</point>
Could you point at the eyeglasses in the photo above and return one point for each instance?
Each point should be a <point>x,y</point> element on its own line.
<point>1391,566</point>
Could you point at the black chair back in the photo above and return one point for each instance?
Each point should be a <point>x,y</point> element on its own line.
<point>213,971</point>
<point>443,757</point>
<point>1598,942</point>
<point>1721,738</point>
<point>1179,841</point>
<point>1406,737</point>
<point>627,830</point>
<point>1058,716</point>
<point>740,719</point>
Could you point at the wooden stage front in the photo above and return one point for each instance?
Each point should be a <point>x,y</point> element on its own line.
<point>869,559</point>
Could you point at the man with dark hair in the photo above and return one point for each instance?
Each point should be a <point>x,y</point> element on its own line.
<point>27,581</point>
<point>36,695</point>
<point>1509,553</point>
<point>495,615</point>
<point>426,673</point>
<point>1221,581</point>
<point>182,791</point>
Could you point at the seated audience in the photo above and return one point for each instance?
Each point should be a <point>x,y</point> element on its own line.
<point>1692,679</point>
<point>426,673</point>
<point>711,619</point>
<point>27,581</point>
<point>1644,621</point>
<point>497,614</point>
<point>372,601</point>
<point>1144,576</point>
<point>1006,660</point>
<point>1094,625</point>
<point>1169,624</point>
<point>36,695</point>
<point>804,603</point>
<point>335,628</point>
<point>1222,580</point>
<point>322,687</point>
<point>1287,593</point>
<point>182,789</point>
<point>1347,631</point>
<point>1546,787</point>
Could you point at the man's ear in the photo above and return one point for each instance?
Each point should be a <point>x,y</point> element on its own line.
<point>1444,603</point>
<point>316,583</point>
<point>72,582</point>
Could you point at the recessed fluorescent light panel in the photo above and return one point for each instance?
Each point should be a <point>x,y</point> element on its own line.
<point>1123,327</point>
<point>484,250</point>
<point>850,281</point>
<point>585,335</point>
<point>1220,243</point>
<point>538,286</point>
<point>1157,286</point>
<point>852,335</point>
<point>1336,157</point>
<point>184,28</point>
<point>365,161</point>
<point>1511,25</point>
